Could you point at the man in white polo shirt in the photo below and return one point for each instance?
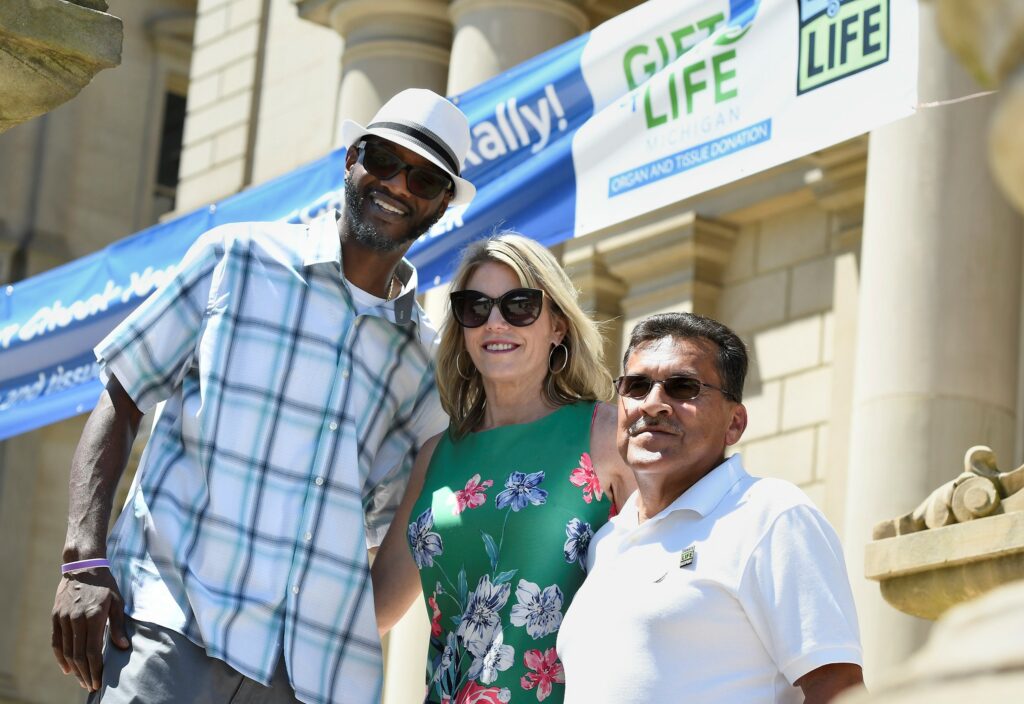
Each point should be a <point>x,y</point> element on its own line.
<point>710,586</point>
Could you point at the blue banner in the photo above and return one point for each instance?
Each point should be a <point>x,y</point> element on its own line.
<point>663,102</point>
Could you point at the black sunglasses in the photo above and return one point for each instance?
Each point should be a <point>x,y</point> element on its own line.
<point>519,307</point>
<point>680,388</point>
<point>383,163</point>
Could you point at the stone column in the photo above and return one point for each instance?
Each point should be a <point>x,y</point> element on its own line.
<point>390,45</point>
<point>937,350</point>
<point>492,36</point>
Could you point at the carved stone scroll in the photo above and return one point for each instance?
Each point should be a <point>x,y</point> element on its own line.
<point>980,491</point>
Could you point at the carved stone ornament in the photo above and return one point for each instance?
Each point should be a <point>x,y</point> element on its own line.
<point>965,539</point>
<point>49,51</point>
<point>980,491</point>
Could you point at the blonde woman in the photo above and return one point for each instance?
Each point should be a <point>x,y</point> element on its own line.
<point>501,507</point>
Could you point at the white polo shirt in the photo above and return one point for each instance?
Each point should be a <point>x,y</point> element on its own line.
<point>762,600</point>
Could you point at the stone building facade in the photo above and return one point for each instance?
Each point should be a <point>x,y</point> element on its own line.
<point>877,283</point>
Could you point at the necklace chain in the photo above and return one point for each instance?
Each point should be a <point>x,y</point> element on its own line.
<point>391,288</point>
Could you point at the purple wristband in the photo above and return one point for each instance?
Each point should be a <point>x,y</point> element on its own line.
<point>84,565</point>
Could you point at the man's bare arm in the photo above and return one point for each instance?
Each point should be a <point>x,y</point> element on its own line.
<point>86,600</point>
<point>824,684</point>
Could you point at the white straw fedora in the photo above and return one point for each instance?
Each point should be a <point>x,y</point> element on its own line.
<point>428,124</point>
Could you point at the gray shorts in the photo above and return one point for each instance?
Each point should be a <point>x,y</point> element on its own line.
<point>164,667</point>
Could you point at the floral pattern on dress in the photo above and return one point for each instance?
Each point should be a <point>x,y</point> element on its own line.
<point>490,658</point>
<point>521,490</point>
<point>540,611</point>
<point>577,541</point>
<point>546,671</point>
<point>585,476</point>
<point>484,644</point>
<point>480,617</point>
<point>435,616</point>
<point>473,496</point>
<point>473,693</point>
<point>424,542</point>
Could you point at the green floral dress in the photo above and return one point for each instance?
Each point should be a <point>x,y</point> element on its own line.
<point>500,536</point>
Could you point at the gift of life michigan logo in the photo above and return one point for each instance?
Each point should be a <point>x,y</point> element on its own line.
<point>839,38</point>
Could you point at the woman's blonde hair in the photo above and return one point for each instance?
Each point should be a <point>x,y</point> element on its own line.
<point>584,376</point>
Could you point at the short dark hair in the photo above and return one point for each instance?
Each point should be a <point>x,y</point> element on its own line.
<point>731,359</point>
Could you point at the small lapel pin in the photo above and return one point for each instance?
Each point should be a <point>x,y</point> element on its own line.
<point>686,556</point>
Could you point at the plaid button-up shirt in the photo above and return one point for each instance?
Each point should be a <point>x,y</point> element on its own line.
<point>283,447</point>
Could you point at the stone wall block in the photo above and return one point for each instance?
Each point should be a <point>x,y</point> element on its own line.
<point>210,26</point>
<point>742,262</point>
<point>755,304</point>
<point>230,144</point>
<point>203,92</point>
<point>243,12</point>
<point>789,348</point>
<point>789,456</point>
<point>806,398</point>
<point>792,238</point>
<point>238,76</point>
<point>224,50</point>
<point>210,185</point>
<point>764,411</point>
<point>217,117</point>
<point>811,289</point>
<point>195,158</point>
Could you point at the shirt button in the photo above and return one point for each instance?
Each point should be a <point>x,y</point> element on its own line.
<point>344,374</point>
<point>319,481</point>
<point>333,425</point>
<point>307,536</point>
<point>295,589</point>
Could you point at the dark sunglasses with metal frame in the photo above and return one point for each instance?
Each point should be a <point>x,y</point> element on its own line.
<point>519,306</point>
<point>677,387</point>
<point>382,163</point>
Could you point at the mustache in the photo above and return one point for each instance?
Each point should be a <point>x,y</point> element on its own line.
<point>644,423</point>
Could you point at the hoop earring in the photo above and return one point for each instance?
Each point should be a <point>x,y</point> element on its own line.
<point>565,360</point>
<point>458,367</point>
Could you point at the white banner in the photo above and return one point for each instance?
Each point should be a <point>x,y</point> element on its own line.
<point>689,96</point>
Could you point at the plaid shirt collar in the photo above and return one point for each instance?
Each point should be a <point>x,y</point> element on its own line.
<point>324,246</point>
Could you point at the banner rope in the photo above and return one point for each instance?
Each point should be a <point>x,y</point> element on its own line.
<point>953,101</point>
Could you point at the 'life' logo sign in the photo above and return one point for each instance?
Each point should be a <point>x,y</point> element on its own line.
<point>839,38</point>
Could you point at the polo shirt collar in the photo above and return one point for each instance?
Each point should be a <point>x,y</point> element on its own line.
<point>702,497</point>
<point>323,246</point>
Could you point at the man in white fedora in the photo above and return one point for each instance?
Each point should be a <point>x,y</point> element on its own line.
<point>298,380</point>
